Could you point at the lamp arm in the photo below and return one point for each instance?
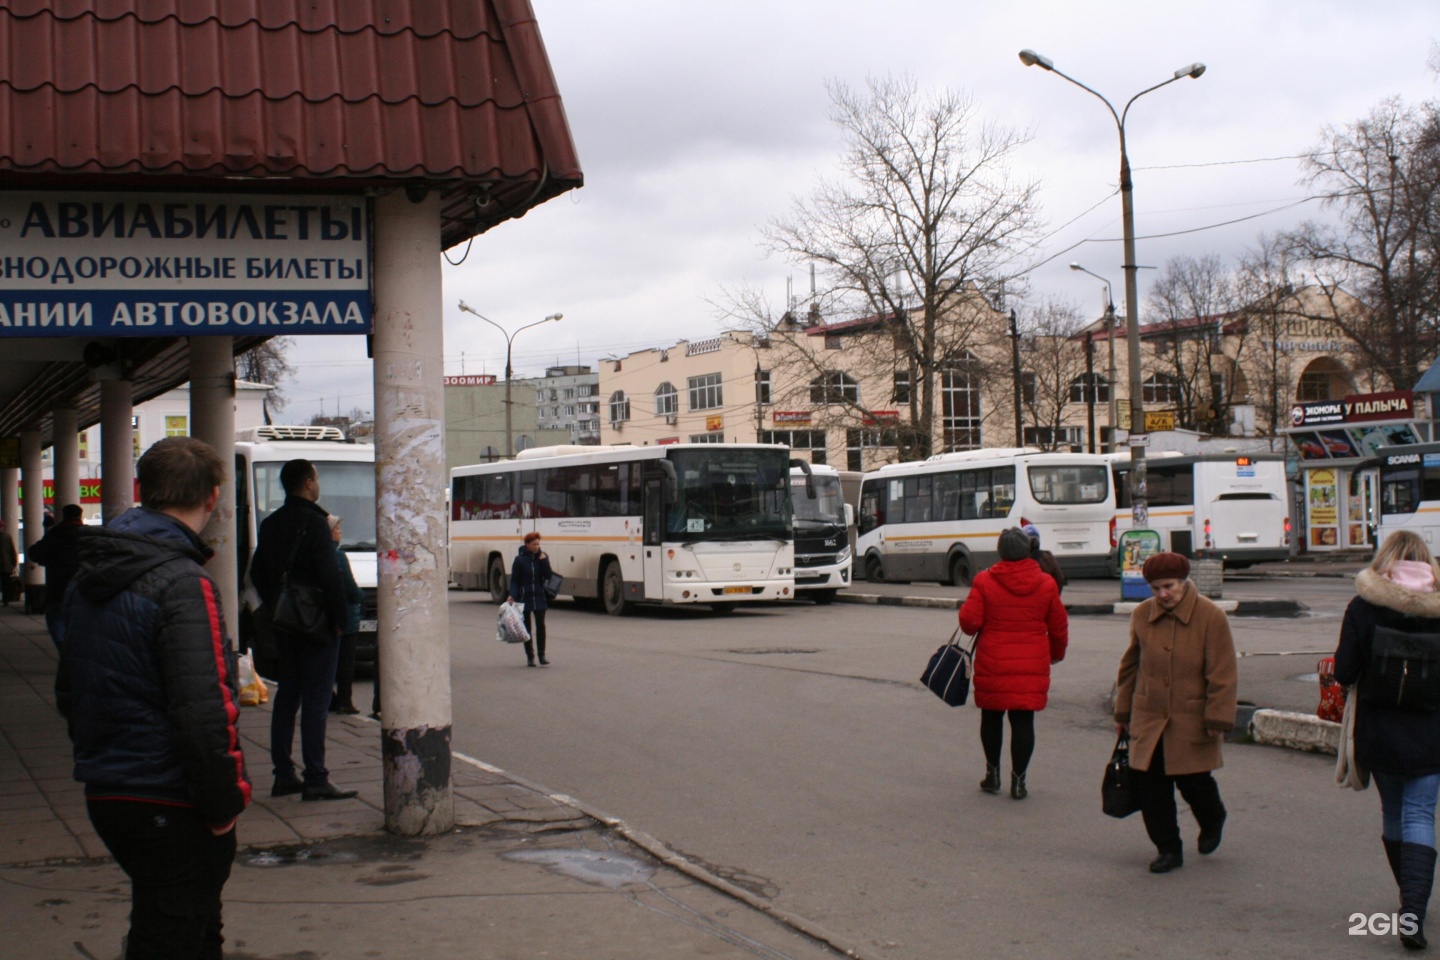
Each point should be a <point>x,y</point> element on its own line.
<point>1098,95</point>
<point>1126,112</point>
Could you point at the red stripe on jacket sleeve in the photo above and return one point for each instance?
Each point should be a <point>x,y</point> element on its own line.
<point>232,709</point>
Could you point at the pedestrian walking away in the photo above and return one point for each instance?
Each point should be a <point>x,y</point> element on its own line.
<point>1397,743</point>
<point>1021,630</point>
<point>529,573</point>
<point>295,541</point>
<point>343,701</point>
<point>147,686</point>
<point>1176,697</point>
<point>59,553</point>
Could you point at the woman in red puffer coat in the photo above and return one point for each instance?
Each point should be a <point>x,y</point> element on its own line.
<point>1014,611</point>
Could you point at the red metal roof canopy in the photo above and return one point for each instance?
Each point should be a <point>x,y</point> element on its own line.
<point>191,94</point>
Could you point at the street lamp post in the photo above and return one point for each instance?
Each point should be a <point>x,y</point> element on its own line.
<point>509,340</point>
<point>1140,511</point>
<point>1110,342</point>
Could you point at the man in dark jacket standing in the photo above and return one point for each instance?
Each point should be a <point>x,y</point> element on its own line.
<point>59,553</point>
<point>295,540</point>
<point>147,686</point>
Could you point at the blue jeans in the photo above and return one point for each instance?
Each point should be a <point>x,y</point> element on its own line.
<point>1407,807</point>
<point>307,680</point>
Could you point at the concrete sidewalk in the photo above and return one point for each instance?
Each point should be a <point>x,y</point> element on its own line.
<point>526,874</point>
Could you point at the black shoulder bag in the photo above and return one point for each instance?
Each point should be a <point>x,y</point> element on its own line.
<point>300,610</point>
<point>1403,672</point>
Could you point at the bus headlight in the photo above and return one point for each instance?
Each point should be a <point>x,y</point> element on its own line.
<point>843,555</point>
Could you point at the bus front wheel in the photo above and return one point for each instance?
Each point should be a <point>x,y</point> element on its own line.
<point>960,575</point>
<point>874,572</point>
<point>499,589</point>
<point>612,589</point>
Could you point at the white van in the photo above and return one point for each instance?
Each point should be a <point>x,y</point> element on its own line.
<point>347,482</point>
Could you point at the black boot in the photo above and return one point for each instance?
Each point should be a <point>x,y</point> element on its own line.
<point>1017,786</point>
<point>1417,876</point>
<point>1392,854</point>
<point>529,654</point>
<point>991,783</point>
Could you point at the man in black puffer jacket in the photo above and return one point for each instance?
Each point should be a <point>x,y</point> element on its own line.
<point>147,686</point>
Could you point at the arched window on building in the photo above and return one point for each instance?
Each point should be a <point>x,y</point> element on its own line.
<point>667,400</point>
<point>1160,388</point>
<point>960,404</point>
<point>1324,378</point>
<point>836,386</point>
<point>1099,389</point>
<point>619,407</point>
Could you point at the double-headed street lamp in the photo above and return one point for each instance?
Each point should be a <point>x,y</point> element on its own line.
<point>1030,58</point>
<point>1110,341</point>
<point>509,339</point>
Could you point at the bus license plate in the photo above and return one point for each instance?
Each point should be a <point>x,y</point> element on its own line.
<point>738,590</point>
<point>369,626</point>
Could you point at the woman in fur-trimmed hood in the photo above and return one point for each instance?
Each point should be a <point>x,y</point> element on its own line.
<point>1399,591</point>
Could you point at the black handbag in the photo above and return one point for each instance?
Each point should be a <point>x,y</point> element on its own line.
<point>948,673</point>
<point>552,586</point>
<point>300,609</point>
<point>1404,671</point>
<point>1120,790</point>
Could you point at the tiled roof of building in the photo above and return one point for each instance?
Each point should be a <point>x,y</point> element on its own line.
<point>340,93</point>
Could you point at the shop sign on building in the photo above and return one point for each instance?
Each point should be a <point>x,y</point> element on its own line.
<point>139,264</point>
<point>791,416</point>
<point>713,423</point>
<point>471,380</point>
<point>1393,405</point>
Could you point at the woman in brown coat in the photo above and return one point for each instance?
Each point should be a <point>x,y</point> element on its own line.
<point>1176,696</point>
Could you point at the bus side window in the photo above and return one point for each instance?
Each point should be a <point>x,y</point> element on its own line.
<point>1430,483</point>
<point>917,500</point>
<point>872,507</point>
<point>947,497</point>
<point>1002,491</point>
<point>969,504</point>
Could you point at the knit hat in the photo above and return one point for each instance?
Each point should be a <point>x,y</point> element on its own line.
<point>1013,544</point>
<point>1166,566</point>
<point>1030,531</point>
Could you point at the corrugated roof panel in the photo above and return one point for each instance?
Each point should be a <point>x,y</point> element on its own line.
<point>458,91</point>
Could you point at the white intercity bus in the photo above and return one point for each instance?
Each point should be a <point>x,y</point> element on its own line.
<point>822,533</point>
<point>1410,491</point>
<point>939,519</point>
<point>1230,507</point>
<point>672,524</point>
<point>347,490</point>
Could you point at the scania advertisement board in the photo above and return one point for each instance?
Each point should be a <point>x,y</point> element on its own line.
<point>141,264</point>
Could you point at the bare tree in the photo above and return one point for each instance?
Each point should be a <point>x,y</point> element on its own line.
<point>1264,286</point>
<point>1192,305</point>
<point>1054,367</point>
<point>1381,174</point>
<point>269,364</point>
<point>916,233</point>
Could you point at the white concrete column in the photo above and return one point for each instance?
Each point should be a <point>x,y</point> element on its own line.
<point>10,502</point>
<point>212,419</point>
<point>32,482</point>
<point>414,629</point>
<point>66,442</point>
<point>117,447</point>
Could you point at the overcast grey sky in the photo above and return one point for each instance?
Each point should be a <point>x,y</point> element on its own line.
<point>696,123</point>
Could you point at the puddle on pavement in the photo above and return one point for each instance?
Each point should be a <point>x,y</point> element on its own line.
<point>611,870</point>
<point>297,856</point>
<point>757,651</point>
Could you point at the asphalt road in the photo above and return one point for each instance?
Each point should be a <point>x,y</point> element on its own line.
<point>791,750</point>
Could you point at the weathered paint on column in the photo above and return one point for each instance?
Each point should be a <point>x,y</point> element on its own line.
<point>117,448</point>
<point>10,502</point>
<point>212,419</point>
<point>33,508</point>
<point>414,628</point>
<point>66,442</point>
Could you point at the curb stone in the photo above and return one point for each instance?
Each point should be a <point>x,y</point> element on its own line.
<point>1237,608</point>
<point>1298,731</point>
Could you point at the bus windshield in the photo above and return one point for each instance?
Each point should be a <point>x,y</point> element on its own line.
<point>347,490</point>
<point>730,495</point>
<point>828,507</point>
<point>1068,484</point>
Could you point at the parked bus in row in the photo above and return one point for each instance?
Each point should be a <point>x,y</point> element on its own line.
<point>822,533</point>
<point>347,490</point>
<point>939,519</point>
<point>673,524</point>
<point>1223,506</point>
<point>1410,491</point>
